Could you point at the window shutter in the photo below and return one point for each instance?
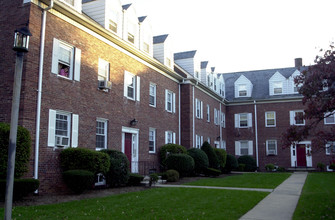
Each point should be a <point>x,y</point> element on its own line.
<point>251,149</point>
<point>75,124</point>
<point>249,120</point>
<point>174,103</point>
<point>77,59</point>
<point>166,137</point>
<point>166,99</point>
<point>124,84</point>
<point>54,65</point>
<point>201,140</point>
<point>52,128</point>
<point>196,108</point>
<point>292,117</point>
<point>237,120</point>
<point>174,137</point>
<point>237,148</point>
<point>138,88</point>
<point>224,120</point>
<point>201,110</point>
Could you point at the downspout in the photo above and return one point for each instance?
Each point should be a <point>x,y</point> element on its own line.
<point>256,134</point>
<point>220,127</point>
<point>39,91</point>
<point>193,122</point>
<point>179,117</point>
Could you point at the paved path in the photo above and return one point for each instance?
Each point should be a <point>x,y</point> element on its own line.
<point>281,203</point>
<point>214,187</point>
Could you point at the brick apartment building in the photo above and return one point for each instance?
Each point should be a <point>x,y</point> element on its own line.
<point>106,82</point>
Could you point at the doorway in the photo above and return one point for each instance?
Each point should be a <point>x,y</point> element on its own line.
<point>130,147</point>
<point>301,154</point>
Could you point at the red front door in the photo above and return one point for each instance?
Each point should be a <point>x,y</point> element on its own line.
<point>127,146</point>
<point>301,155</point>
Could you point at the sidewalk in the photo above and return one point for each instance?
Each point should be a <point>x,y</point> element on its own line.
<point>281,203</point>
<point>214,187</point>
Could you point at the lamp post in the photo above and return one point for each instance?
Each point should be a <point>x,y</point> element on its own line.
<point>21,42</point>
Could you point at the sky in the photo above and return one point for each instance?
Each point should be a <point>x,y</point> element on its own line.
<point>244,35</point>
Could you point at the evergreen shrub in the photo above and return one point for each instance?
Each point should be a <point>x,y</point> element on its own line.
<point>79,180</point>
<point>172,176</point>
<point>222,157</point>
<point>21,188</point>
<point>135,179</point>
<point>167,149</point>
<point>183,163</point>
<point>200,160</point>
<point>231,164</point>
<point>250,163</point>
<point>212,158</point>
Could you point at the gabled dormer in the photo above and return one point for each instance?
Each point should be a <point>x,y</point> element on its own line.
<point>243,87</point>
<point>130,25</point>
<point>75,4</point>
<point>206,74</point>
<point>162,50</point>
<point>145,41</point>
<point>106,13</point>
<point>278,84</point>
<point>222,87</point>
<point>188,60</point>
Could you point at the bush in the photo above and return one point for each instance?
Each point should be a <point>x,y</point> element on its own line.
<point>250,163</point>
<point>269,167</point>
<point>241,167</point>
<point>118,174</point>
<point>135,179</point>
<point>153,178</point>
<point>78,180</point>
<point>200,160</point>
<point>22,187</point>
<point>183,163</point>
<point>321,166</point>
<point>332,166</point>
<point>167,149</point>
<point>281,169</point>
<point>163,175</point>
<point>231,164</point>
<point>212,158</point>
<point>212,172</point>
<point>84,159</point>
<point>172,175</point>
<point>222,157</point>
<point>23,145</point>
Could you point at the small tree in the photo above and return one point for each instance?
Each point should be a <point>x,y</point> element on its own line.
<point>212,158</point>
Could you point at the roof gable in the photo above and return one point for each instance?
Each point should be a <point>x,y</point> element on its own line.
<point>185,55</point>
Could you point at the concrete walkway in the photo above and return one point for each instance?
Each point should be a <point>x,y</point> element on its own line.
<point>214,187</point>
<point>281,203</point>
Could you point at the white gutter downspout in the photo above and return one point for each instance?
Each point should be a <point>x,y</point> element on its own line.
<point>256,134</point>
<point>220,127</point>
<point>193,116</point>
<point>39,91</point>
<point>179,117</point>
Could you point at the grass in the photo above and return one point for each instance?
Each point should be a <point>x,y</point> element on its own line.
<point>157,203</point>
<point>317,200</point>
<point>246,180</point>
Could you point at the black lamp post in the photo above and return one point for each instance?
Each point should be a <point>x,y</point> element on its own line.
<point>21,42</point>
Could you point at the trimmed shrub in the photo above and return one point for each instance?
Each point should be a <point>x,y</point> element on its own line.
<point>200,160</point>
<point>167,149</point>
<point>269,167</point>
<point>321,166</point>
<point>281,169</point>
<point>222,157</point>
<point>23,145</point>
<point>212,158</point>
<point>241,167</point>
<point>183,163</point>
<point>172,176</point>
<point>212,172</point>
<point>250,163</point>
<point>135,179</point>
<point>22,187</point>
<point>84,159</point>
<point>79,180</point>
<point>231,164</point>
<point>163,175</point>
<point>332,166</point>
<point>118,173</point>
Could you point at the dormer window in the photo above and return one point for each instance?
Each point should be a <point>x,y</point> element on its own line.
<point>242,90</point>
<point>196,74</point>
<point>168,62</point>
<point>146,47</point>
<point>131,38</point>
<point>112,26</point>
<point>131,32</point>
<point>70,2</point>
<point>277,88</point>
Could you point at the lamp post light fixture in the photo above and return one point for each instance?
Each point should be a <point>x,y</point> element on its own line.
<point>133,122</point>
<point>21,42</point>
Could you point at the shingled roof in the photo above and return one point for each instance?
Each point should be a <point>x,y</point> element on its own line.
<point>160,39</point>
<point>185,55</point>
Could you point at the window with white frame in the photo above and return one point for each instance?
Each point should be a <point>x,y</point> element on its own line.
<point>198,108</point>
<point>278,88</point>
<point>270,119</point>
<point>168,62</point>
<point>330,148</point>
<point>223,144</point>
<point>152,140</point>
<point>152,94</point>
<point>101,134</point>
<point>170,101</point>
<point>271,147</point>
<point>208,114</point>
<point>197,74</point>
<point>131,32</point>
<point>65,60</point>
<point>214,84</point>
<point>243,147</point>
<point>223,120</point>
<point>131,86</point>
<point>209,140</point>
<point>243,120</point>
<point>59,131</point>
<point>170,137</point>
<point>242,90</point>
<point>103,71</point>
<point>330,118</point>
<point>112,26</point>
<point>198,141</point>
<point>297,117</point>
<point>216,120</point>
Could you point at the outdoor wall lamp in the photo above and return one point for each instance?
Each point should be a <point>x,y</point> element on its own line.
<point>133,122</point>
<point>21,39</point>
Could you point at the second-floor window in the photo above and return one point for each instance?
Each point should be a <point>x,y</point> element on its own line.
<point>103,72</point>
<point>208,114</point>
<point>243,120</point>
<point>131,86</point>
<point>170,101</point>
<point>198,108</point>
<point>270,119</point>
<point>152,140</point>
<point>152,95</point>
<point>330,118</point>
<point>297,117</point>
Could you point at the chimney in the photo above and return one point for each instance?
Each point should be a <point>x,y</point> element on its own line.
<point>298,62</point>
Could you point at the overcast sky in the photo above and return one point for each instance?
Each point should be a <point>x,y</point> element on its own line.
<point>242,35</point>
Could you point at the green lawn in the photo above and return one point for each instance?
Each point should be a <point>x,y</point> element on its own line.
<point>157,203</point>
<point>317,200</point>
<point>246,180</point>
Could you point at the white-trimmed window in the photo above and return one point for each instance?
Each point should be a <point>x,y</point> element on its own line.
<point>198,108</point>
<point>103,71</point>
<point>209,140</point>
<point>223,120</point>
<point>170,101</point>
<point>59,131</point>
<point>243,120</point>
<point>216,119</point>
<point>112,26</point>
<point>242,90</point>
<point>215,84</point>
<point>101,134</point>
<point>65,60</point>
<point>330,148</point>
<point>131,86</point>
<point>208,114</point>
<point>223,144</point>
<point>297,117</point>
<point>131,32</point>
<point>168,62</point>
<point>243,148</point>
<point>152,94</point>
<point>277,88</point>
<point>271,147</point>
<point>198,141</point>
<point>152,140</point>
<point>270,119</point>
<point>329,118</point>
<point>170,137</point>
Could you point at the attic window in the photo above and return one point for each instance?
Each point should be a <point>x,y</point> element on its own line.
<point>131,38</point>
<point>277,87</point>
<point>242,90</point>
<point>70,2</point>
<point>146,47</point>
<point>168,62</point>
<point>112,26</point>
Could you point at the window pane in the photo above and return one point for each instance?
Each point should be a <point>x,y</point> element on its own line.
<point>243,120</point>
<point>330,120</point>
<point>113,26</point>
<point>61,125</point>
<point>299,118</point>
<point>100,141</point>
